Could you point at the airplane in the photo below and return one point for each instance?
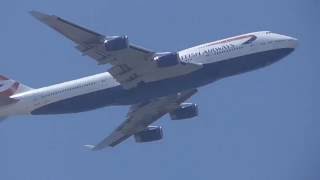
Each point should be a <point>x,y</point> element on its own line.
<point>151,83</point>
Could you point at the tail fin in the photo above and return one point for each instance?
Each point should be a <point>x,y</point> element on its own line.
<point>9,87</point>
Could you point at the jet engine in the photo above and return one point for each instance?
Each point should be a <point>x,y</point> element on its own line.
<point>151,133</point>
<point>117,43</point>
<point>185,111</point>
<point>167,60</point>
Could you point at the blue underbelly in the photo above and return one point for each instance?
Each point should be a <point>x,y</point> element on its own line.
<point>119,96</point>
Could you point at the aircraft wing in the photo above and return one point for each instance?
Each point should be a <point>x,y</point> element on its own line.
<point>129,66</point>
<point>141,116</point>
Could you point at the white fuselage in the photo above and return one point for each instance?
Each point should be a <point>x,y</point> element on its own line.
<point>209,53</point>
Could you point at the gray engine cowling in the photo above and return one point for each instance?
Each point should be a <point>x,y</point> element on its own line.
<point>117,43</point>
<point>185,111</point>
<point>167,60</point>
<point>151,133</point>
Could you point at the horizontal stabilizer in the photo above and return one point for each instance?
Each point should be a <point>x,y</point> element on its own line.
<point>4,101</point>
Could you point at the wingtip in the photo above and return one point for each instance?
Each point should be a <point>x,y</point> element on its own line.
<point>38,15</point>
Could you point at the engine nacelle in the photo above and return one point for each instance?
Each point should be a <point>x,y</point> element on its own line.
<point>185,111</point>
<point>151,133</point>
<point>167,60</point>
<point>117,43</point>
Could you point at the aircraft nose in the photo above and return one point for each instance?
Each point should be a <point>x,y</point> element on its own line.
<point>290,42</point>
<point>293,42</point>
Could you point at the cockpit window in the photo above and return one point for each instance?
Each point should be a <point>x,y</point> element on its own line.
<point>252,38</point>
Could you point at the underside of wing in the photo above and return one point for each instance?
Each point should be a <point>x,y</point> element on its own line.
<point>127,59</point>
<point>131,64</point>
<point>140,116</point>
<point>72,31</point>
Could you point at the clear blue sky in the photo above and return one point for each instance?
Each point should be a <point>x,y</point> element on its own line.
<point>260,125</point>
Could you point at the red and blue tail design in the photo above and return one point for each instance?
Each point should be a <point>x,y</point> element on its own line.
<point>9,87</point>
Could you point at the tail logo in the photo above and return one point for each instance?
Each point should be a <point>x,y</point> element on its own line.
<point>8,87</point>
